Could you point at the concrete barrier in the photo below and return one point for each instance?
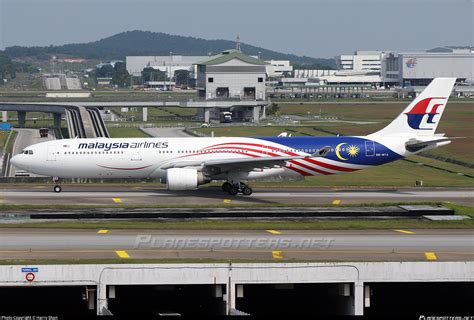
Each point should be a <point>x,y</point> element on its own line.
<point>356,275</point>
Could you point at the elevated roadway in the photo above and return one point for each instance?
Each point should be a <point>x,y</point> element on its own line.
<point>82,121</point>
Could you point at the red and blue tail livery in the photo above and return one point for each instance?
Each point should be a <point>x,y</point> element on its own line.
<point>426,110</point>
<point>186,163</point>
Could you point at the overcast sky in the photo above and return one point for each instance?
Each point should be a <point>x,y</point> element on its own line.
<point>317,28</point>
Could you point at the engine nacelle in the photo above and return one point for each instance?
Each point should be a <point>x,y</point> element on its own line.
<point>184,179</point>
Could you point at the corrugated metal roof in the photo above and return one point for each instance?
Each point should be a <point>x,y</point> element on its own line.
<point>228,55</point>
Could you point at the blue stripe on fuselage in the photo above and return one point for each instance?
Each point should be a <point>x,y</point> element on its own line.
<point>352,150</point>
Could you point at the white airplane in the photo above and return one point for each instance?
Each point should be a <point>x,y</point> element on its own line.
<point>186,163</point>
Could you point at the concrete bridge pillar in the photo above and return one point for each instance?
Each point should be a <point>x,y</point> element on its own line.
<point>230,297</point>
<point>57,120</point>
<point>91,298</point>
<point>102,303</point>
<point>359,298</point>
<point>145,114</point>
<point>21,119</point>
<point>4,116</point>
<point>207,115</point>
<point>256,114</point>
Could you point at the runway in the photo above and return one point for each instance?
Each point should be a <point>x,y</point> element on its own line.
<point>97,195</point>
<point>367,245</point>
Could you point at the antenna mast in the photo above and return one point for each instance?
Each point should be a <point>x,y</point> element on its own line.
<point>237,45</point>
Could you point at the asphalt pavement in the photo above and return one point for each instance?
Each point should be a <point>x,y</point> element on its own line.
<point>344,245</point>
<point>154,195</point>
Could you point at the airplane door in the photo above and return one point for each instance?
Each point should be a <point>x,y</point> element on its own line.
<point>136,154</point>
<point>51,153</point>
<point>369,149</point>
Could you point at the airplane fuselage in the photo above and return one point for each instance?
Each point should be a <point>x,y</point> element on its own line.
<point>145,157</point>
<point>186,163</point>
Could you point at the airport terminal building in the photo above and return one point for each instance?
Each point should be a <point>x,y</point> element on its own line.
<point>390,68</point>
<point>419,68</point>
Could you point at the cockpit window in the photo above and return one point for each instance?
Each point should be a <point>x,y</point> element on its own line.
<point>27,152</point>
<point>30,151</point>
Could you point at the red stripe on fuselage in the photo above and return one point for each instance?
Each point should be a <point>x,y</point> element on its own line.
<point>204,153</point>
<point>303,173</point>
<point>309,167</point>
<point>256,145</point>
<point>330,166</point>
<point>105,167</point>
<point>249,149</point>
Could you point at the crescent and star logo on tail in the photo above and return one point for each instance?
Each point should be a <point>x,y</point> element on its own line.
<point>352,150</point>
<point>420,110</point>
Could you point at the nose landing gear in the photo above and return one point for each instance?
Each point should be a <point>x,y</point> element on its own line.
<point>57,188</point>
<point>235,188</point>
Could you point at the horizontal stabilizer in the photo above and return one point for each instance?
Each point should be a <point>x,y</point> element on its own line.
<point>415,145</point>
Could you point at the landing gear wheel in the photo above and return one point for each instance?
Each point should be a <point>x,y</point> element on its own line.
<point>226,186</point>
<point>233,190</point>
<point>246,191</point>
<point>57,189</point>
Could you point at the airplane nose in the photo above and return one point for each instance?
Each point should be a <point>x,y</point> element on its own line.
<point>19,161</point>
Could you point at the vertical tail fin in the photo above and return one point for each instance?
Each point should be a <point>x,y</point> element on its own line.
<point>422,116</point>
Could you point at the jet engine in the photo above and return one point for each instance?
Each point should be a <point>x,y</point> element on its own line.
<point>184,179</point>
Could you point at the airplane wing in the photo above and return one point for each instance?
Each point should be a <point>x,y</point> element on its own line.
<point>250,164</point>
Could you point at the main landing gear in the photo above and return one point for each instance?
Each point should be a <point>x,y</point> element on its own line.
<point>234,188</point>
<point>57,188</point>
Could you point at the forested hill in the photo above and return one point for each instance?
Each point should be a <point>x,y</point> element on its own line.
<point>155,43</point>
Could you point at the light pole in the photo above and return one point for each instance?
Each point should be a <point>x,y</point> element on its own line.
<point>169,75</point>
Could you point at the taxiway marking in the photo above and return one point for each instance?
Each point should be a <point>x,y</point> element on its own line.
<point>405,231</point>
<point>277,254</point>
<point>273,231</point>
<point>122,254</point>
<point>431,256</point>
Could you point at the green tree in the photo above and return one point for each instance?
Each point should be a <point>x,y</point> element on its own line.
<point>182,77</point>
<point>121,77</point>
<point>25,67</point>
<point>7,68</point>
<point>273,110</point>
<point>151,74</point>
<point>106,71</point>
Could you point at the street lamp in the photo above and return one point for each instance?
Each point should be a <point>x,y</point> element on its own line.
<point>169,75</point>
